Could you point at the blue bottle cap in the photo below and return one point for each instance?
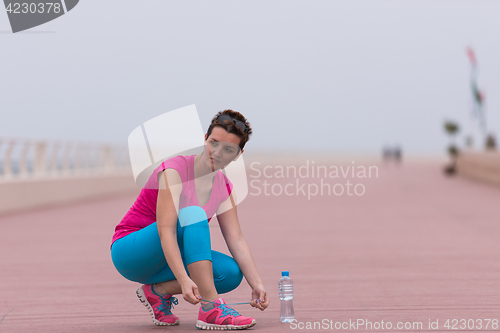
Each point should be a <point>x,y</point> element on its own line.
<point>285,273</point>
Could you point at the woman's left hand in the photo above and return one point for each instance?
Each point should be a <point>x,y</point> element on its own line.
<point>259,298</point>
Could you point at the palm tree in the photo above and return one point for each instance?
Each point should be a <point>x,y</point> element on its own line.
<point>451,128</point>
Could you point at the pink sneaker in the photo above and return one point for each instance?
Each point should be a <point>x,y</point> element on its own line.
<point>222,317</point>
<point>158,306</point>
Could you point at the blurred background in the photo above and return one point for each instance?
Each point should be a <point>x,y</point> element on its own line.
<point>331,79</point>
<point>322,76</point>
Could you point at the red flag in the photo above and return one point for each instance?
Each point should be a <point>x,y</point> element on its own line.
<point>481,96</point>
<point>472,56</point>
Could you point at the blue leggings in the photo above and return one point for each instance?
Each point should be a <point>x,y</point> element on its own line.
<point>139,256</point>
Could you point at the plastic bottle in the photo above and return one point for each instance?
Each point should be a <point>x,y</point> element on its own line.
<point>286,296</point>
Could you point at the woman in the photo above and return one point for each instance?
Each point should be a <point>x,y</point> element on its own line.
<point>164,239</point>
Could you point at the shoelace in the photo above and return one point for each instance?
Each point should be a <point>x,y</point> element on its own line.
<point>167,304</point>
<point>204,300</point>
<point>227,310</point>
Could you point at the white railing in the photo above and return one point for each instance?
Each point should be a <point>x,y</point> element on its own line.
<point>25,159</point>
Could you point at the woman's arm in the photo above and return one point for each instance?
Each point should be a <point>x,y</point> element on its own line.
<point>170,187</point>
<point>230,227</point>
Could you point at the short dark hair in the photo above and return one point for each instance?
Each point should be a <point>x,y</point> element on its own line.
<point>230,127</point>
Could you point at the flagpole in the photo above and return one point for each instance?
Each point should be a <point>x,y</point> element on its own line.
<point>478,98</point>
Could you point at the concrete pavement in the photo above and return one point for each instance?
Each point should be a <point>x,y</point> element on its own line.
<point>415,247</point>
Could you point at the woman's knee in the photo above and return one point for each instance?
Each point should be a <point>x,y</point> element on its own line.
<point>191,215</point>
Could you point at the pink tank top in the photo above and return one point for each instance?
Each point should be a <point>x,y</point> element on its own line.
<point>143,211</point>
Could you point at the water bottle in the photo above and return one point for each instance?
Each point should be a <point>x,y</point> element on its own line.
<point>286,296</point>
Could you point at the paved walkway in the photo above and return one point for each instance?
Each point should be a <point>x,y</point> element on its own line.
<point>416,247</point>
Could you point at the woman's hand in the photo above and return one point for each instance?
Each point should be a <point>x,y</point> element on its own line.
<point>190,291</point>
<point>259,298</point>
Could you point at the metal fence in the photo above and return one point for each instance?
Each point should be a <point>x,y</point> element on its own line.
<point>24,159</point>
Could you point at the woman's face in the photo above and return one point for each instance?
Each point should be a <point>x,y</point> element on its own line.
<point>222,148</point>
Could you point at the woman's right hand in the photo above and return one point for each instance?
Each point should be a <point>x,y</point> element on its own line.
<point>190,291</point>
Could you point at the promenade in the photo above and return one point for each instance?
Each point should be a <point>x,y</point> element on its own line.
<point>416,246</point>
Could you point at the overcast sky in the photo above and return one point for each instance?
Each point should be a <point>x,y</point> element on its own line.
<point>332,76</point>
